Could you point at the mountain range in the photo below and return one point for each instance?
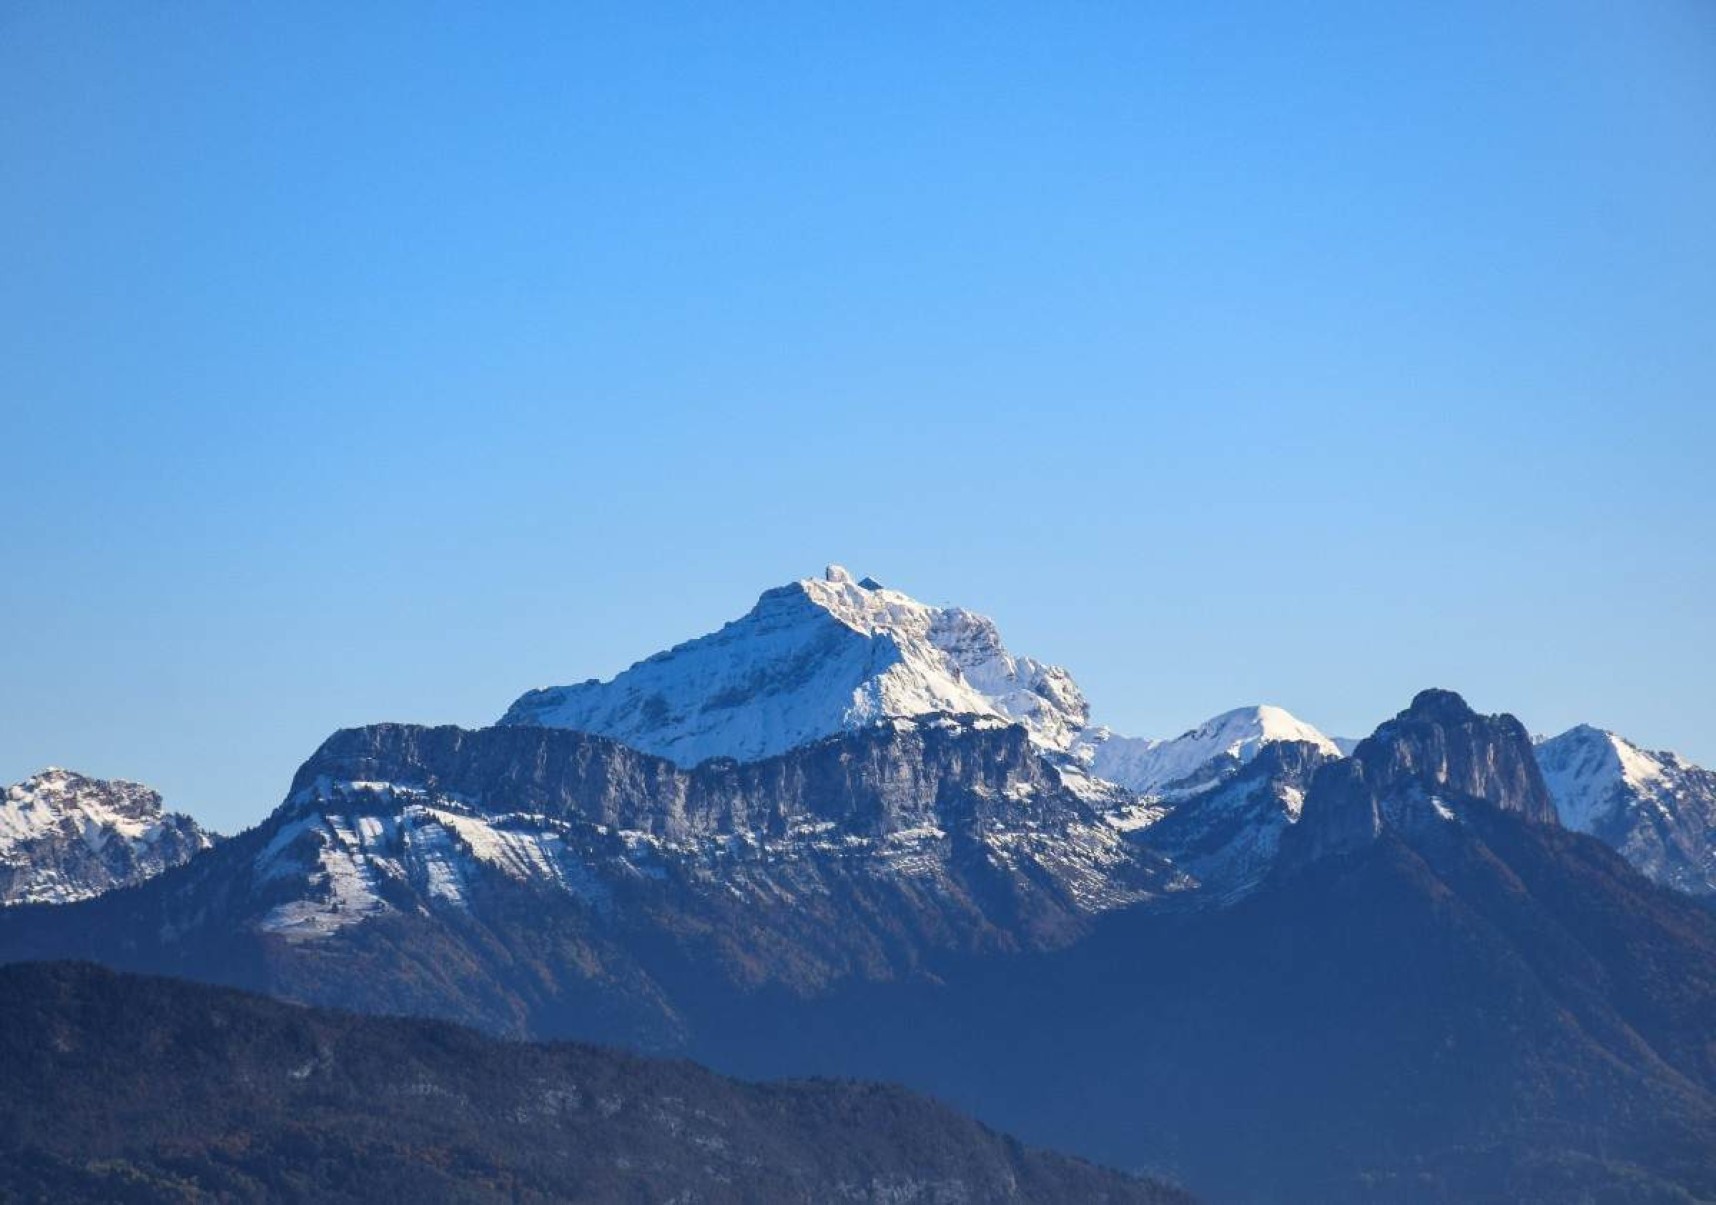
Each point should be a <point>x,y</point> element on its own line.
<point>853,834</point>
<point>834,654</point>
<point>831,655</point>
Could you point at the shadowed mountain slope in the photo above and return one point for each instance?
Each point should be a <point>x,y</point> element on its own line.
<point>1437,997</point>
<point>124,1089</point>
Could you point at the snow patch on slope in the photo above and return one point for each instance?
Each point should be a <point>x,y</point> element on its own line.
<point>357,839</point>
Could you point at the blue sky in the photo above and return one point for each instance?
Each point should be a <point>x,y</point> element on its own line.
<point>376,362</point>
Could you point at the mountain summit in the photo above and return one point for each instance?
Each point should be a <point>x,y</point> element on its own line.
<point>1201,758</point>
<point>1657,809</point>
<point>1423,768</point>
<point>65,836</point>
<point>812,659</point>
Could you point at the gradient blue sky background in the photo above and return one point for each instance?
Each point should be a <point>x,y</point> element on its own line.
<point>376,362</point>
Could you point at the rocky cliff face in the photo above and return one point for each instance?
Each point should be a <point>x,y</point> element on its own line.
<point>874,783</point>
<point>65,837</point>
<point>1444,745</point>
<point>1418,771</point>
<point>960,818</point>
<point>531,879</point>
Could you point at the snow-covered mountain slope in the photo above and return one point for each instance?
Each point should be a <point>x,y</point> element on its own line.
<point>812,659</point>
<point>1216,800</point>
<point>360,845</point>
<point>1197,760</point>
<point>1226,836</point>
<point>434,811</point>
<point>1657,809</point>
<point>66,837</point>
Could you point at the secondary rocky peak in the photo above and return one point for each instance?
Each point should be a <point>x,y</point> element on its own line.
<point>55,791</point>
<point>1417,772</point>
<point>1436,706</point>
<point>1440,743</point>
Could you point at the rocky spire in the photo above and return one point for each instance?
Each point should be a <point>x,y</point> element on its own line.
<point>1418,771</point>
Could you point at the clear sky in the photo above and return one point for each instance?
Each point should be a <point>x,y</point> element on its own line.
<point>376,362</point>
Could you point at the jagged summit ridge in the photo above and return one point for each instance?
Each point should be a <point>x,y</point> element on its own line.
<point>66,836</point>
<point>1418,771</point>
<point>1440,742</point>
<point>814,658</point>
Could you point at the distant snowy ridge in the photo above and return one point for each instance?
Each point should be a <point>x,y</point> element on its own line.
<point>1216,800</point>
<point>65,836</point>
<point>812,659</point>
<point>1199,759</point>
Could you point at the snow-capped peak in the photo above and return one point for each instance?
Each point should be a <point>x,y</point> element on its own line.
<point>1590,770</point>
<point>811,659</point>
<point>1196,758</point>
<point>65,836</point>
<point>1656,808</point>
<point>45,801</point>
